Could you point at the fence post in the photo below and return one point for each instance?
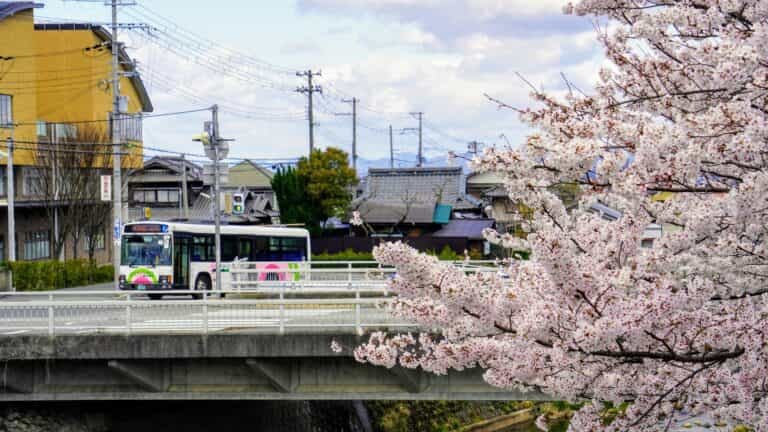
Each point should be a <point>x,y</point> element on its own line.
<point>358,327</point>
<point>51,322</point>
<point>349,271</point>
<point>128,314</point>
<point>205,314</point>
<point>233,275</point>
<point>282,309</point>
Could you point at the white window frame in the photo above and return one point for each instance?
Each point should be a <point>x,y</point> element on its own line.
<point>37,245</point>
<point>100,241</point>
<point>27,179</point>
<point>6,111</point>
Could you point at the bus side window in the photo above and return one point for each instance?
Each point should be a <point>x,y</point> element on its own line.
<point>228,248</point>
<point>202,248</point>
<point>261,249</point>
<point>292,250</point>
<point>244,250</point>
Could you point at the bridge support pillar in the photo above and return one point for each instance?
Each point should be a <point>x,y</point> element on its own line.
<point>282,374</point>
<point>17,377</point>
<point>412,380</point>
<point>150,377</point>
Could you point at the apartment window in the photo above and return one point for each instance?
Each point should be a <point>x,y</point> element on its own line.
<point>64,131</point>
<point>2,248</point>
<point>6,111</point>
<point>99,241</point>
<point>129,127</point>
<point>37,245</point>
<point>33,182</point>
<point>42,128</point>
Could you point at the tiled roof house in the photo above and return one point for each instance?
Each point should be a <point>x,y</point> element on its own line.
<point>414,196</point>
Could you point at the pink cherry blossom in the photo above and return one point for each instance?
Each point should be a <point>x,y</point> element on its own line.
<point>679,327</point>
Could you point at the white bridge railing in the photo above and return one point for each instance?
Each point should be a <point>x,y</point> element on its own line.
<point>321,297</point>
<point>130,313</point>
<point>247,274</point>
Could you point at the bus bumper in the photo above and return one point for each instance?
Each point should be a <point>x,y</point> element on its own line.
<point>163,285</point>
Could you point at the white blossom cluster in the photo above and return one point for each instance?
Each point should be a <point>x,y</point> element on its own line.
<point>681,327</point>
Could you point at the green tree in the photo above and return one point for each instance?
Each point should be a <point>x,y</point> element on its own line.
<point>329,179</point>
<point>291,192</point>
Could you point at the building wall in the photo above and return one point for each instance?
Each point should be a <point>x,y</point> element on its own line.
<point>52,78</point>
<point>35,219</point>
<point>40,93</point>
<point>245,174</point>
<point>19,77</point>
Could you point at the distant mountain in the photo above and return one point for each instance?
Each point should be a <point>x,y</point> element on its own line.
<point>405,160</point>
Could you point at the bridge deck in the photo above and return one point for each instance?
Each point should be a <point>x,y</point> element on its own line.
<point>298,366</point>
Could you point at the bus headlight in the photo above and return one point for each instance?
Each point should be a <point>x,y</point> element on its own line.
<point>121,281</point>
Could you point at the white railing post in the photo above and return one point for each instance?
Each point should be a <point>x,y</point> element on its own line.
<point>128,314</point>
<point>233,275</point>
<point>349,271</point>
<point>51,321</point>
<point>282,309</point>
<point>205,314</point>
<point>358,327</point>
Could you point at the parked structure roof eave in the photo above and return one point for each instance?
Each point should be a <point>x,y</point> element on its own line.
<point>9,9</point>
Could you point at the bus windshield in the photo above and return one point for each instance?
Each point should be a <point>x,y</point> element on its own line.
<point>146,250</point>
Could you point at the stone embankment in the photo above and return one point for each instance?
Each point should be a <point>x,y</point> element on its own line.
<point>47,420</point>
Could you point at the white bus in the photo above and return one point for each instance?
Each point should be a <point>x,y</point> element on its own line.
<point>175,255</point>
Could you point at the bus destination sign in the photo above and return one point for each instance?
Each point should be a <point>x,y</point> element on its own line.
<point>146,228</point>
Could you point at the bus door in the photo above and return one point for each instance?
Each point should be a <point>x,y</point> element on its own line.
<point>181,251</point>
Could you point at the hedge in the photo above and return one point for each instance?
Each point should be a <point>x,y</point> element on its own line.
<point>46,275</point>
<point>446,254</point>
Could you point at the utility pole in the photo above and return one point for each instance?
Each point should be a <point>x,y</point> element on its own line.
<point>419,115</point>
<point>310,89</point>
<point>184,198</point>
<point>117,190</point>
<point>391,150</point>
<point>11,214</point>
<point>216,199</point>
<point>472,147</point>
<point>354,102</point>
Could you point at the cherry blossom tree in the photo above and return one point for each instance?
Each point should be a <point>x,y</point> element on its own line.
<point>677,328</point>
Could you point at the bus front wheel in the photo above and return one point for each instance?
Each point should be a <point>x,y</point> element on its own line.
<point>203,283</point>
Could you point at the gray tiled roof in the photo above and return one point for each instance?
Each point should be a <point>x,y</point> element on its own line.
<point>390,193</point>
<point>376,211</point>
<point>467,228</point>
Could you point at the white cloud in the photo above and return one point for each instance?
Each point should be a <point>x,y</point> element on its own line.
<point>415,62</point>
<point>486,9</point>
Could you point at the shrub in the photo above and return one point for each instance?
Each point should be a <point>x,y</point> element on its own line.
<point>347,255</point>
<point>46,275</point>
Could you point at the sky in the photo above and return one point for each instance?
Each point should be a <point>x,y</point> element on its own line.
<point>438,57</point>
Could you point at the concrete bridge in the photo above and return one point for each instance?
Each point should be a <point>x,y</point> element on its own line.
<point>217,366</point>
<point>265,340</point>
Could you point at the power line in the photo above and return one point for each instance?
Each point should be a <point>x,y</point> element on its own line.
<point>143,116</point>
<point>203,41</point>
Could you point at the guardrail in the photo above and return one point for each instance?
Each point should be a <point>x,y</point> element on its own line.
<point>249,273</point>
<point>125,313</point>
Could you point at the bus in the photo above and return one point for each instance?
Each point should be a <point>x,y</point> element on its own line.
<point>181,256</point>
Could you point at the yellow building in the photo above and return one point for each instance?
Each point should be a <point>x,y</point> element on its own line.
<point>55,82</point>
